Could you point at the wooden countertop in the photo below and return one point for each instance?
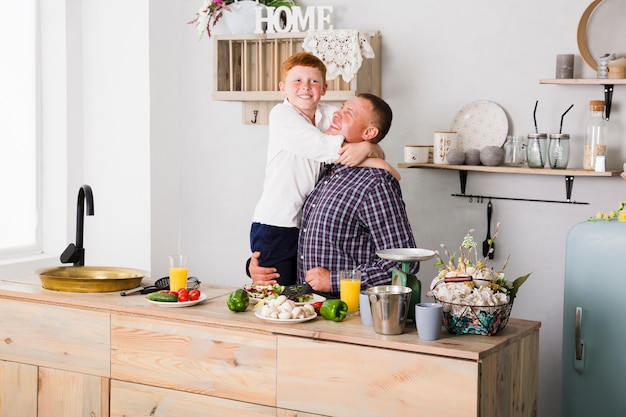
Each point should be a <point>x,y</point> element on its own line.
<point>214,313</point>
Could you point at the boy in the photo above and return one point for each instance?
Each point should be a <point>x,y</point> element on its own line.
<point>296,149</point>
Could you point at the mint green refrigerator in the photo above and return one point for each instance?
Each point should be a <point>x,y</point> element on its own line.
<point>594,321</point>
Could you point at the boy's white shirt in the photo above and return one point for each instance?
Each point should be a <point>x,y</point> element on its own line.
<point>295,151</point>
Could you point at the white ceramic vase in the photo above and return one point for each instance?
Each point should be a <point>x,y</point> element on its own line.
<point>242,17</point>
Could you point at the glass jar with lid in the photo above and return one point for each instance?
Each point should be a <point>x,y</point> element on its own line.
<point>558,151</point>
<point>595,141</point>
<point>514,151</point>
<point>537,150</point>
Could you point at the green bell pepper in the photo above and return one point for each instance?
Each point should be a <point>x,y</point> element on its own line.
<point>238,300</point>
<point>335,310</point>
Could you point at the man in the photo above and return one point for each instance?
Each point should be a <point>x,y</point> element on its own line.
<point>352,212</point>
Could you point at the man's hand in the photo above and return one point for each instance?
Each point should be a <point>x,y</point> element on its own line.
<point>259,274</point>
<point>318,278</point>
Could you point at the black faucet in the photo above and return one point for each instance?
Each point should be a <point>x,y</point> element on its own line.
<point>75,252</point>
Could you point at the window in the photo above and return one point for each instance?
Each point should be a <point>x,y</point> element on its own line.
<point>19,173</point>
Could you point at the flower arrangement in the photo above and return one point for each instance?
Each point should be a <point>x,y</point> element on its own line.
<point>212,11</point>
<point>476,298</point>
<point>619,213</point>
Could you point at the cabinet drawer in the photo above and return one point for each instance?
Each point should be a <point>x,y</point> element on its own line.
<point>200,359</point>
<point>56,337</point>
<point>136,400</point>
<point>337,379</point>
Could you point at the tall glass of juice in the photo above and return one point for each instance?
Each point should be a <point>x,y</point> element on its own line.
<point>350,288</point>
<point>178,272</point>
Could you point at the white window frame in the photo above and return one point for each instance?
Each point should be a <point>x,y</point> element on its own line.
<point>53,130</point>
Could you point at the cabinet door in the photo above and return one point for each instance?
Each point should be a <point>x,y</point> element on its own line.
<point>338,379</point>
<point>136,400</point>
<point>212,361</point>
<point>55,337</point>
<point>18,390</point>
<point>70,394</point>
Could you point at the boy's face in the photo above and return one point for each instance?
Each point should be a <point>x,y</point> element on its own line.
<point>304,87</point>
<point>353,121</point>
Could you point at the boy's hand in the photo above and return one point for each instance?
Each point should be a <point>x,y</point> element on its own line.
<point>352,154</point>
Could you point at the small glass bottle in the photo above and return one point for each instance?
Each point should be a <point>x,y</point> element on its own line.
<point>536,150</point>
<point>595,141</point>
<point>513,151</point>
<point>558,152</point>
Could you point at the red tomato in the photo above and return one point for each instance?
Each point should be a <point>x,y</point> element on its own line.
<point>194,295</point>
<point>183,295</point>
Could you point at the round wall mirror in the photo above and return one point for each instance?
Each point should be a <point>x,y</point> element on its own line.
<point>601,30</point>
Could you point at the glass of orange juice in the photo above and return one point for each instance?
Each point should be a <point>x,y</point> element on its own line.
<point>350,289</point>
<point>178,272</point>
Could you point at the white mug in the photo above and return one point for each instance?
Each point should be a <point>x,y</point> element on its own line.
<point>418,154</point>
<point>443,142</point>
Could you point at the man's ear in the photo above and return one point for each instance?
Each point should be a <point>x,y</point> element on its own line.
<point>281,86</point>
<point>370,133</point>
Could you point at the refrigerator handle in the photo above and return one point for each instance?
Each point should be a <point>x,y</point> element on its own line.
<point>579,344</point>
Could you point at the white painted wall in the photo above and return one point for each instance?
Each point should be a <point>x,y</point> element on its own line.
<point>174,170</point>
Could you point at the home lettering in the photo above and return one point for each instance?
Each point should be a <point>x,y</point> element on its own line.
<point>284,19</point>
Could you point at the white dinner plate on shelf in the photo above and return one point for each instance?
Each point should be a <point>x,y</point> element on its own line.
<point>179,304</point>
<point>480,123</point>
<point>284,321</point>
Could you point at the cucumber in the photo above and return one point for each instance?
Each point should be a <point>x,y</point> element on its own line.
<point>163,298</point>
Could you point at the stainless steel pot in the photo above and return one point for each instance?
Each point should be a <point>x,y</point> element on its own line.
<point>390,306</point>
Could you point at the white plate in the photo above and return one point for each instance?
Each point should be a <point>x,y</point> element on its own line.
<point>406,254</point>
<point>179,303</point>
<point>316,298</point>
<point>257,313</point>
<point>480,123</point>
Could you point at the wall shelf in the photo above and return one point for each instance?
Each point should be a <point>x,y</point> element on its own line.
<point>569,175</point>
<point>247,68</point>
<point>608,84</point>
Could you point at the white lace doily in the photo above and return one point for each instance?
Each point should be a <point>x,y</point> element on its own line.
<point>342,50</point>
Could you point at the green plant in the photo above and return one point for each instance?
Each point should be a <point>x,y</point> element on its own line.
<point>467,276</point>
<point>619,213</point>
<point>212,10</point>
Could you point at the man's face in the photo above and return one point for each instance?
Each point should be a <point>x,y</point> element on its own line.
<point>304,87</point>
<point>353,120</point>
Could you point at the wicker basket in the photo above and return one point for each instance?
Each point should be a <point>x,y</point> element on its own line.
<point>483,320</point>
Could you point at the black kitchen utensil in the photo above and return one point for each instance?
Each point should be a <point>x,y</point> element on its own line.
<point>488,248</point>
<point>297,290</point>
<point>162,284</point>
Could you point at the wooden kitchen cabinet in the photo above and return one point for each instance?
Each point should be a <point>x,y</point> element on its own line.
<point>56,359</point>
<point>206,360</point>
<point>102,355</point>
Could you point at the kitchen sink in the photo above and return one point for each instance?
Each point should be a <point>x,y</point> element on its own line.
<point>90,278</point>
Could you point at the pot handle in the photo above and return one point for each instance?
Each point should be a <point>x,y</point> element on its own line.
<point>134,290</point>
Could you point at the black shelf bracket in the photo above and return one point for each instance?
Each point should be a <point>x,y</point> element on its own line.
<point>569,185</point>
<point>608,98</point>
